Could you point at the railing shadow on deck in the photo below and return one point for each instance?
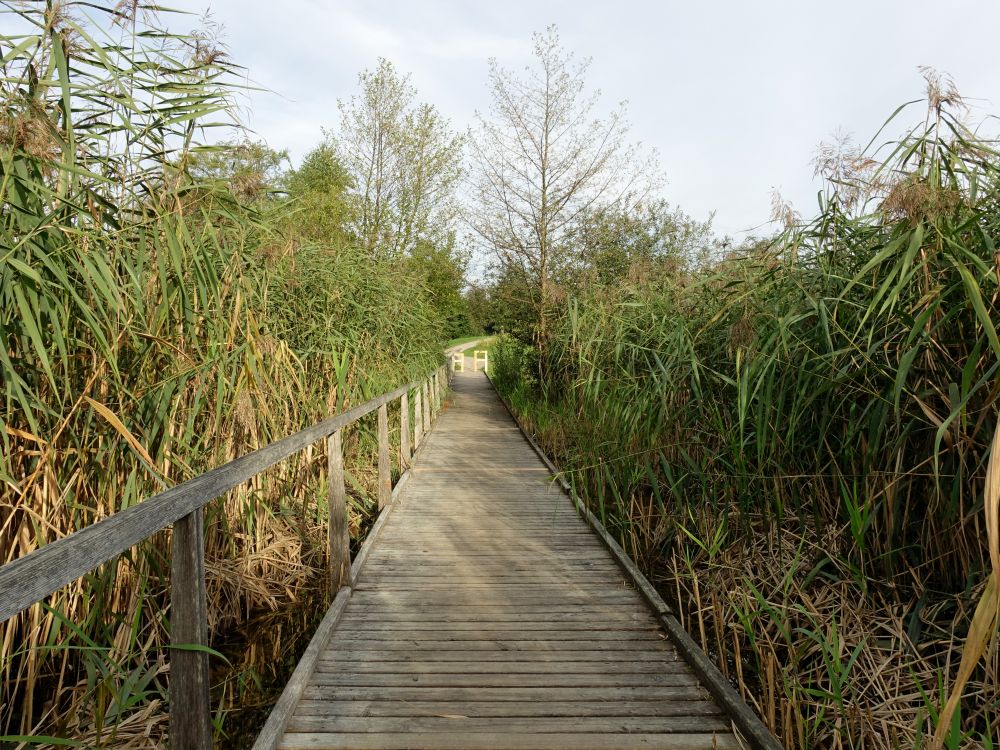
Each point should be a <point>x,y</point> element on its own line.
<point>32,578</point>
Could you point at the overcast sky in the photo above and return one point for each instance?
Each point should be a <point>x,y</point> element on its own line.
<point>735,94</point>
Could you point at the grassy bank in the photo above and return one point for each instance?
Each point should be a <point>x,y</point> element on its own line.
<point>794,440</point>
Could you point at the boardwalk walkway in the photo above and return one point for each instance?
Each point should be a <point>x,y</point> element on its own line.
<point>489,615</point>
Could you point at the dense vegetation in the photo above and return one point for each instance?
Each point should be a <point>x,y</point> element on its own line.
<point>168,306</point>
<point>793,438</point>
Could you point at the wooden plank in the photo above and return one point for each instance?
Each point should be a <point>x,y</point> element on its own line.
<point>375,627</point>
<point>508,741</point>
<point>443,635</point>
<point>506,709</point>
<point>425,394</point>
<point>533,666</point>
<point>362,618</point>
<point>339,537</point>
<point>190,710</point>
<point>459,722</point>
<point>384,470</point>
<point>404,433</point>
<point>281,713</point>
<point>656,693</point>
<point>511,645</point>
<point>485,680</point>
<point>418,419</point>
<point>376,658</point>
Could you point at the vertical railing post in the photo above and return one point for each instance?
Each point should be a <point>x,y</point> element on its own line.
<point>340,539</point>
<point>190,709</point>
<point>384,470</point>
<point>418,419</point>
<point>404,432</point>
<point>437,394</point>
<point>425,387</point>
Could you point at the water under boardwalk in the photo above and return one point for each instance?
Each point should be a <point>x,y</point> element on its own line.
<point>489,615</point>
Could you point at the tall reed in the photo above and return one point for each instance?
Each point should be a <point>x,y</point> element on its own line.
<point>796,438</point>
<point>153,327</point>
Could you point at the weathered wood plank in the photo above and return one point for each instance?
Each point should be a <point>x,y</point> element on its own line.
<point>551,666</point>
<point>459,722</point>
<point>656,657</point>
<point>384,458</point>
<point>339,537</point>
<point>404,433</point>
<point>190,710</point>
<point>482,680</point>
<point>656,693</point>
<point>508,709</point>
<point>508,741</point>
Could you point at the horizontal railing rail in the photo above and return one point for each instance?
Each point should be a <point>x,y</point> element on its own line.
<point>32,578</point>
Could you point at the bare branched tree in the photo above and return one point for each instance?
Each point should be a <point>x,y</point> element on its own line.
<point>404,161</point>
<point>542,159</point>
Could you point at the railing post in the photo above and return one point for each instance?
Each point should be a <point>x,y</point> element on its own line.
<point>340,539</point>
<point>190,709</point>
<point>425,386</point>
<point>384,470</point>
<point>404,432</point>
<point>433,385</point>
<point>418,419</point>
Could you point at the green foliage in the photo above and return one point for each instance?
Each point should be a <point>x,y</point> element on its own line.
<point>442,267</point>
<point>839,382</point>
<point>320,189</point>
<point>161,313</point>
<point>404,162</point>
<point>250,170</point>
<point>612,242</point>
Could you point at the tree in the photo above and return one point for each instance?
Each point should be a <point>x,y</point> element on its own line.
<point>404,161</point>
<point>251,169</point>
<point>441,270</point>
<point>542,160</point>
<point>320,188</point>
<point>612,243</point>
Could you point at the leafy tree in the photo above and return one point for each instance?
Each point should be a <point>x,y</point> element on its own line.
<point>321,186</point>
<point>441,268</point>
<point>543,160</point>
<point>404,162</point>
<point>614,242</point>
<point>252,170</point>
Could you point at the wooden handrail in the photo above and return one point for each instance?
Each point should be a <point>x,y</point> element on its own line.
<point>37,575</point>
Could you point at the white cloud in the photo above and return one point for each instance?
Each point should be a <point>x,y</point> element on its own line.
<point>734,95</point>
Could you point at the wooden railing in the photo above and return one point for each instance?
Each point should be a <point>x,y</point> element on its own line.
<point>35,576</point>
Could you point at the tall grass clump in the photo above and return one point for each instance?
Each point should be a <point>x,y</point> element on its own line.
<point>154,326</point>
<point>794,439</point>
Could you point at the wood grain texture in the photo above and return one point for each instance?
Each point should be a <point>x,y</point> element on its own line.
<point>404,433</point>
<point>418,418</point>
<point>190,709</point>
<point>340,537</point>
<point>384,458</point>
<point>489,615</point>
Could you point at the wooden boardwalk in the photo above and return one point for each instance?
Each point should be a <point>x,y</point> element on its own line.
<point>489,615</point>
